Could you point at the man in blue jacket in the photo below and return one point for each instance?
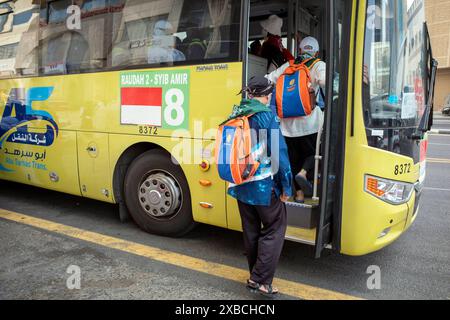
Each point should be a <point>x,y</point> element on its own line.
<point>261,200</point>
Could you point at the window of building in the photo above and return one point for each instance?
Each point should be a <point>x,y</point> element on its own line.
<point>6,11</point>
<point>8,51</point>
<point>18,38</point>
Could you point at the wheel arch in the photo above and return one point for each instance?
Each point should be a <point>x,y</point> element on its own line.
<point>125,160</point>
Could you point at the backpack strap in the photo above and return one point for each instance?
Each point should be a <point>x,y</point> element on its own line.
<point>293,67</point>
<point>322,94</point>
<point>310,63</point>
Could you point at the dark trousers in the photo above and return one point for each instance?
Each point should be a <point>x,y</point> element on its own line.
<point>300,150</point>
<point>264,232</point>
<point>308,166</point>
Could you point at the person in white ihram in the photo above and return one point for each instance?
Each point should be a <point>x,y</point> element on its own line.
<point>162,48</point>
<point>301,132</point>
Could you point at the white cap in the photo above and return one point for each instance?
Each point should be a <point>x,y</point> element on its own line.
<point>273,25</point>
<point>162,27</point>
<point>309,45</point>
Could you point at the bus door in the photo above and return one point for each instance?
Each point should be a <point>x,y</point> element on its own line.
<point>339,37</point>
<point>318,221</point>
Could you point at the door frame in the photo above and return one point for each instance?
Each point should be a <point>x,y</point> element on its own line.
<point>328,231</point>
<point>335,126</point>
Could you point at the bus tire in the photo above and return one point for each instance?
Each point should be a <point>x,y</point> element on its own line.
<point>157,195</point>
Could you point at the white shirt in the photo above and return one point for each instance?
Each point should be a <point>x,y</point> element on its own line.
<point>162,50</point>
<point>303,126</point>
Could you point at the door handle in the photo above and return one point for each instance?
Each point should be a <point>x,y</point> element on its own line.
<point>91,149</point>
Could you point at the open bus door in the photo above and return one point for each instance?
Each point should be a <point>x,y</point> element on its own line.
<point>328,230</point>
<point>320,221</point>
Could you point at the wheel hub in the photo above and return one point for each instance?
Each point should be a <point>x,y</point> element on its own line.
<point>159,195</point>
<point>155,197</point>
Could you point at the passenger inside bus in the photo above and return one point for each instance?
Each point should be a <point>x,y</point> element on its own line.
<point>272,48</point>
<point>301,133</point>
<point>163,45</point>
<point>255,48</point>
<point>194,46</point>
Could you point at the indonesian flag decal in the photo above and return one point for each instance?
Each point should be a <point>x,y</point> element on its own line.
<point>141,106</point>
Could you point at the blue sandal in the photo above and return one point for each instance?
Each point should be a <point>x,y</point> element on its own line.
<point>252,285</point>
<point>305,185</point>
<point>270,293</point>
<point>259,288</point>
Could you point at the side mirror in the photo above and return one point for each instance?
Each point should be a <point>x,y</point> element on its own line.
<point>426,122</point>
<point>431,87</point>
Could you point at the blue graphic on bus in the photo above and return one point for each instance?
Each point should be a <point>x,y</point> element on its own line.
<point>20,101</point>
<point>15,124</point>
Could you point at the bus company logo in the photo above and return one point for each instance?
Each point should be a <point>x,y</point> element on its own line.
<point>18,116</point>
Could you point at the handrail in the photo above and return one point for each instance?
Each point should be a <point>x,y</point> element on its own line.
<point>317,159</point>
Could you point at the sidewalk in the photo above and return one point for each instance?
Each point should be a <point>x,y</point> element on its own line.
<point>438,116</point>
<point>440,131</point>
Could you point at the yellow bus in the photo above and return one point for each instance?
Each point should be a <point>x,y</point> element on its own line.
<point>119,101</point>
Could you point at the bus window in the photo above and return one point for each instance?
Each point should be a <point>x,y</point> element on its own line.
<point>393,60</point>
<point>66,48</point>
<point>115,34</point>
<point>176,31</point>
<point>394,71</point>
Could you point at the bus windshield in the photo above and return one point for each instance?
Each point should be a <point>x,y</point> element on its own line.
<point>394,64</point>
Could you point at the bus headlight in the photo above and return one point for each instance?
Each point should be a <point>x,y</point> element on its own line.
<point>393,192</point>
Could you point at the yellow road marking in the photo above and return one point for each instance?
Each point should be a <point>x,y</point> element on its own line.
<point>290,288</point>
<point>436,160</point>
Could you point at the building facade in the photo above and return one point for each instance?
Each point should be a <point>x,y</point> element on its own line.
<point>438,19</point>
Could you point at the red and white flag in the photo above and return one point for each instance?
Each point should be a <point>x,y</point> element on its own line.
<point>142,106</point>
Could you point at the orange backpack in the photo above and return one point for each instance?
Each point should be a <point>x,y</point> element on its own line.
<point>294,94</point>
<point>235,161</point>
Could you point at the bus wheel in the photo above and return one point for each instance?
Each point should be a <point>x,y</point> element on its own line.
<point>157,195</point>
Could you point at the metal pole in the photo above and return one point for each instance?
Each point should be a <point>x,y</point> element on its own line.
<point>317,158</point>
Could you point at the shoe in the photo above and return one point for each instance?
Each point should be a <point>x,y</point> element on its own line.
<point>305,185</point>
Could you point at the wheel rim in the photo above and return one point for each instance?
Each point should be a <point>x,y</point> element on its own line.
<point>160,194</point>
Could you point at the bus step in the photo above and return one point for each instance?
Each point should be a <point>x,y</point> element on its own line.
<point>302,215</point>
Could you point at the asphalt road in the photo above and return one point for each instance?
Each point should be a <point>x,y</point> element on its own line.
<point>34,262</point>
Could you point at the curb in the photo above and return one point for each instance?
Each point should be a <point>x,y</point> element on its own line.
<point>440,131</point>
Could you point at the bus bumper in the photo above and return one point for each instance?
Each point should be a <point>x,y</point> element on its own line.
<point>415,211</point>
<point>381,233</point>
